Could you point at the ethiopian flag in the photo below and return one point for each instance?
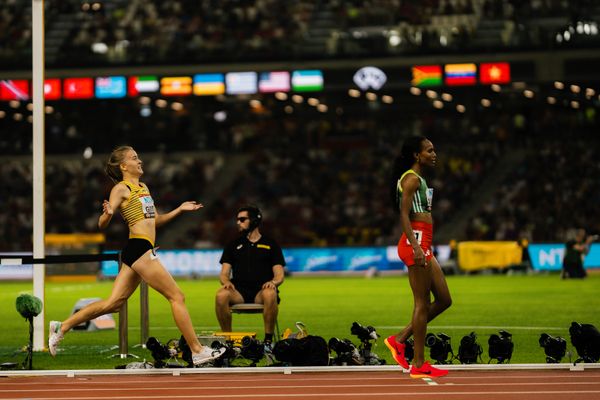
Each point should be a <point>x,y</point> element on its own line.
<point>427,75</point>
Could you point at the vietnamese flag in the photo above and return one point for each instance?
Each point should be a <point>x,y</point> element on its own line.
<point>490,73</point>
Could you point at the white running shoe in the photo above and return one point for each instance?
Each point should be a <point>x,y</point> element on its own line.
<point>207,354</point>
<point>55,336</point>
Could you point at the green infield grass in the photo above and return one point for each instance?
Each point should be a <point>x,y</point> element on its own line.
<point>524,305</point>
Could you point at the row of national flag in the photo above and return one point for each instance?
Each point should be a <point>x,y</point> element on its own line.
<point>115,87</point>
<point>460,74</point>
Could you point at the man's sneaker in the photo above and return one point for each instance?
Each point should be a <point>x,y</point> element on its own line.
<point>55,336</point>
<point>207,354</point>
<point>427,371</point>
<point>268,353</point>
<point>397,350</point>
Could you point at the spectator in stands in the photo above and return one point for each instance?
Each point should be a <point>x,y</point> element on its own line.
<point>575,251</point>
<point>251,272</point>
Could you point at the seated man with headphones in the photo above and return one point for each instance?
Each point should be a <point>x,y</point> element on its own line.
<point>251,270</point>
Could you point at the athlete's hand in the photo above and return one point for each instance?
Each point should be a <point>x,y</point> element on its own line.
<point>107,208</point>
<point>419,256</point>
<point>229,286</point>
<point>190,206</point>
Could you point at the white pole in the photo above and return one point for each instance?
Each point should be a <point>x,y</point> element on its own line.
<point>39,220</point>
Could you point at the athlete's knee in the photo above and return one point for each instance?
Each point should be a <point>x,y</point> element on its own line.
<point>269,296</point>
<point>222,296</point>
<point>422,307</point>
<point>176,297</point>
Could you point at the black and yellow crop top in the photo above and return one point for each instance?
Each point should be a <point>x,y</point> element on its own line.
<point>139,205</point>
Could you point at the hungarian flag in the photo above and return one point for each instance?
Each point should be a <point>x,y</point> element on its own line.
<point>490,73</point>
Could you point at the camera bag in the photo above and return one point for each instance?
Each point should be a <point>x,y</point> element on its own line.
<point>309,350</point>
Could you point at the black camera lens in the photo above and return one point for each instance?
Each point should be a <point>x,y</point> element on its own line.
<point>430,340</point>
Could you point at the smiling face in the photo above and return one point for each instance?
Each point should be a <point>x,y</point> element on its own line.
<point>132,164</point>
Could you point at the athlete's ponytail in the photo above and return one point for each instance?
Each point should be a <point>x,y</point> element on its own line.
<point>113,165</point>
<point>402,163</point>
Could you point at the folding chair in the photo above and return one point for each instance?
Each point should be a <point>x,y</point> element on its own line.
<point>254,308</point>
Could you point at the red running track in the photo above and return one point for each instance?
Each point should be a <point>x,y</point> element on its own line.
<point>488,385</point>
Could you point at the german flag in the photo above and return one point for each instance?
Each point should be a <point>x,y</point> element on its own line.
<point>427,75</point>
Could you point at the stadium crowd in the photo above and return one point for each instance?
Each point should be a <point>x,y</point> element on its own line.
<point>83,33</point>
<point>326,182</point>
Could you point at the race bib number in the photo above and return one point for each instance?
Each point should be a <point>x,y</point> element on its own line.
<point>418,236</point>
<point>147,206</point>
<point>429,197</point>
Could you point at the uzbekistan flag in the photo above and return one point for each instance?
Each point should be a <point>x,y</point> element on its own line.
<point>209,84</point>
<point>490,73</point>
<point>269,82</point>
<point>307,80</point>
<point>427,75</point>
<point>14,89</point>
<point>176,86</point>
<point>142,84</point>
<point>460,74</point>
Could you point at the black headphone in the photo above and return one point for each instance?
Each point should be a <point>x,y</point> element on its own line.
<point>254,214</point>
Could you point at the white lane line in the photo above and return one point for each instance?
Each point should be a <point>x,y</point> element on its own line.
<point>325,395</point>
<point>475,327</point>
<point>290,378</point>
<point>342,386</point>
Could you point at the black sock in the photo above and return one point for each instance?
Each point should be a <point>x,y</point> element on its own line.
<point>268,337</point>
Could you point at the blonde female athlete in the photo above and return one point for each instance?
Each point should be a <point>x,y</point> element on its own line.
<point>414,198</point>
<point>139,259</point>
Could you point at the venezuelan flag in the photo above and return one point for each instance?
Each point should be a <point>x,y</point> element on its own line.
<point>427,75</point>
<point>460,74</point>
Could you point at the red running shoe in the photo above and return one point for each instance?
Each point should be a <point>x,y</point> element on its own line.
<point>427,371</point>
<point>397,350</point>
